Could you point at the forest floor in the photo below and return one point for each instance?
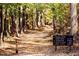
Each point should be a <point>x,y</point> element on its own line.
<point>36,43</point>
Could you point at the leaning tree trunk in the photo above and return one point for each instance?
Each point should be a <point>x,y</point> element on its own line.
<point>74,22</point>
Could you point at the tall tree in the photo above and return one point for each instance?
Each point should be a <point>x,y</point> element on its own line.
<point>74,23</point>
<point>20,19</point>
<point>0,23</point>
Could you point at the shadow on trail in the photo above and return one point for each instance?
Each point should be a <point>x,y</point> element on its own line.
<point>7,52</point>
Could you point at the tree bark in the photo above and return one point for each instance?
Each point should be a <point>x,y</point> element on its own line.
<point>37,16</point>
<point>0,24</point>
<point>3,17</point>
<point>42,20</point>
<point>23,20</point>
<point>74,22</point>
<point>13,24</point>
<point>39,19</point>
<point>20,19</point>
<point>34,24</point>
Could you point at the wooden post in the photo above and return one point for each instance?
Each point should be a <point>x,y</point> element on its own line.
<point>69,48</point>
<point>55,48</point>
<point>16,45</point>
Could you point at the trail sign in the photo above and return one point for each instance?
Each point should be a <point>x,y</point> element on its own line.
<point>62,40</point>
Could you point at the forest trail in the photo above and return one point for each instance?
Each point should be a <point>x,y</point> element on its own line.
<point>35,42</point>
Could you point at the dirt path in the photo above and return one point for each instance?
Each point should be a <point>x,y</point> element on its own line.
<point>35,43</point>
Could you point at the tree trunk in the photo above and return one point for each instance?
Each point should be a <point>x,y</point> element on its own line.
<point>13,24</point>
<point>42,20</point>
<point>0,23</point>
<point>7,22</point>
<point>54,25</point>
<point>34,24</point>
<point>37,15</point>
<point>26,19</point>
<point>74,22</point>
<point>39,19</point>
<point>3,17</point>
<point>20,19</point>
<point>23,20</point>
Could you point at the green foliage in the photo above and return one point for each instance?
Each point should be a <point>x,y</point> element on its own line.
<point>60,10</point>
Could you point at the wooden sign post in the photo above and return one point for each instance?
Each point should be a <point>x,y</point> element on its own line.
<point>16,45</point>
<point>16,41</point>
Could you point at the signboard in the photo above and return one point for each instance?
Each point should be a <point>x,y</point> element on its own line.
<point>59,40</point>
<point>62,40</point>
<point>69,40</point>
